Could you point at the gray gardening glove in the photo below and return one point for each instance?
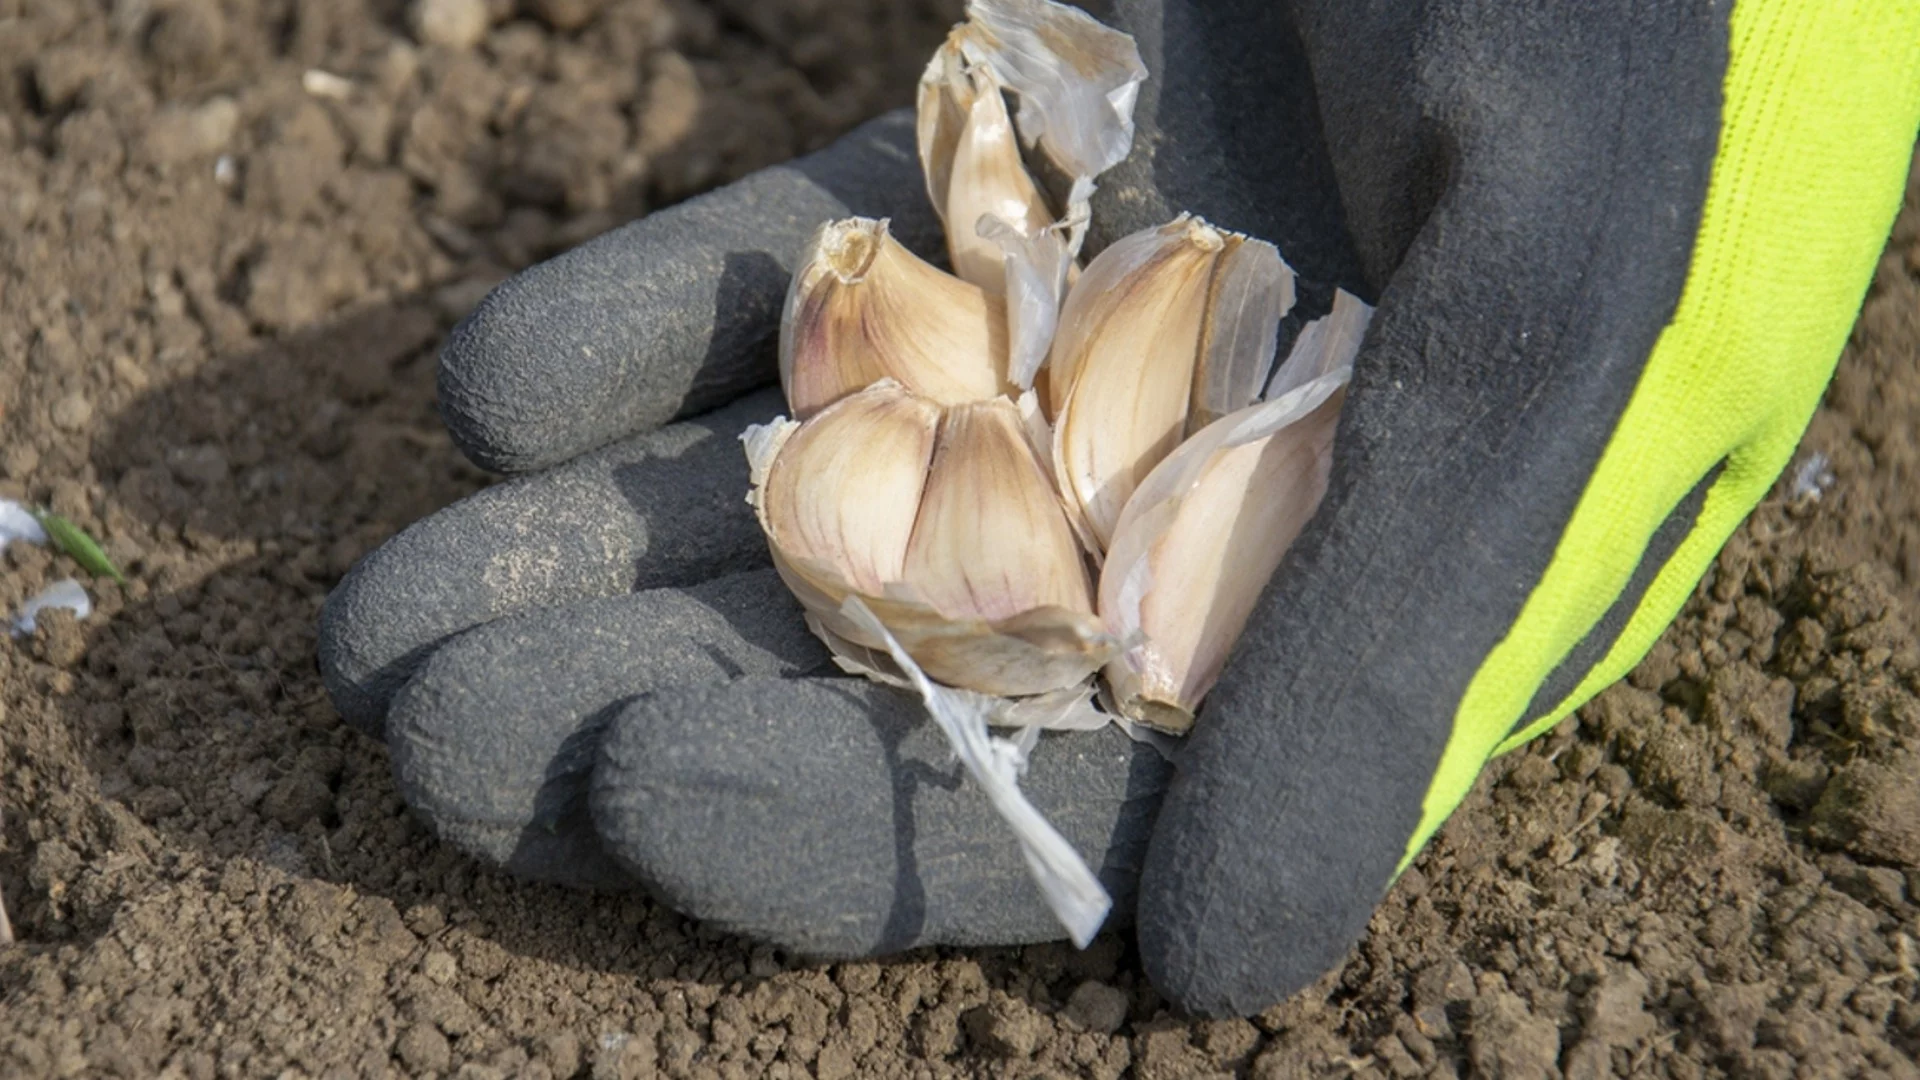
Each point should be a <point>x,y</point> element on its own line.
<point>588,674</point>
<point>609,619</point>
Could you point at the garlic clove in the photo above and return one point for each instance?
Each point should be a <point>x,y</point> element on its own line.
<point>1091,303</point>
<point>862,308</point>
<point>991,540</point>
<point>1076,82</point>
<point>1198,541</point>
<point>1122,365</point>
<point>993,559</point>
<point>1186,571</point>
<point>841,491</point>
<point>943,104</point>
<point>1167,330</point>
<point>971,159</point>
<point>944,522</point>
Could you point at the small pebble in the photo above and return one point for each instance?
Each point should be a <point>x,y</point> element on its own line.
<point>1097,1007</point>
<point>72,412</point>
<point>19,461</point>
<point>455,24</point>
<point>424,1049</point>
<point>566,15</point>
<point>178,133</point>
<point>201,465</point>
<point>439,966</point>
<point>1004,1028</point>
<point>325,84</point>
<point>397,68</point>
<point>215,122</point>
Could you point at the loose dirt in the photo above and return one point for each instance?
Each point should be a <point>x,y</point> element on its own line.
<point>234,235</point>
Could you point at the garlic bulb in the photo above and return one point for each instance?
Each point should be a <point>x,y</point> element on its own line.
<point>863,308</point>
<point>1166,330</point>
<point>944,522</point>
<point>967,447</point>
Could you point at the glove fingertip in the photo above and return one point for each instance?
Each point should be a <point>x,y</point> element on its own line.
<point>372,635</point>
<point>667,316</point>
<point>664,317</point>
<point>484,760</point>
<point>495,738</point>
<point>501,422</point>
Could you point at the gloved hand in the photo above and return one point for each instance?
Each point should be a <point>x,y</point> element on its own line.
<point>1616,247</point>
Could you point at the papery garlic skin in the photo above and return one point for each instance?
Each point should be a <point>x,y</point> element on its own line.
<point>863,308</point>
<point>1166,329</point>
<point>1039,267</point>
<point>1253,288</point>
<point>1077,79</point>
<point>1325,345</point>
<point>942,521</point>
<point>1066,882</point>
<point>1036,652</point>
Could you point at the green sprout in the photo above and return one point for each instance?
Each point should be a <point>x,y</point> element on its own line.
<point>74,540</point>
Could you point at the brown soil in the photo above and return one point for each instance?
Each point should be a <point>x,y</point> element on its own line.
<point>220,295</point>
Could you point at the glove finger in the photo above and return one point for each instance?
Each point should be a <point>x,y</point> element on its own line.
<point>494,738</point>
<point>673,314</point>
<point>828,816</point>
<point>1503,354</point>
<point>661,509</point>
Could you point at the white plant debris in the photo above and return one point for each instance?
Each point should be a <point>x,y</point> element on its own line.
<point>65,593</point>
<point>1812,479</point>
<point>18,523</point>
